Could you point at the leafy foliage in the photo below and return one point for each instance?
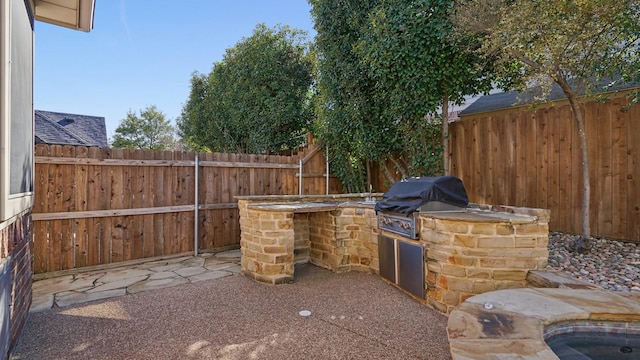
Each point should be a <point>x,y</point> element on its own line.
<point>151,131</point>
<point>414,59</point>
<point>348,120</point>
<point>419,66</point>
<point>540,42</point>
<point>256,99</point>
<point>576,44</point>
<point>385,68</point>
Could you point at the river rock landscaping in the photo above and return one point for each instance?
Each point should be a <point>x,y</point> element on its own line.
<point>611,264</point>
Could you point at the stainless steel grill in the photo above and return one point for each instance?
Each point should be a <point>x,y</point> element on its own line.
<point>402,257</point>
<point>407,225</point>
<point>399,224</point>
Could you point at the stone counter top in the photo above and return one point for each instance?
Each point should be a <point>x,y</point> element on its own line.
<point>513,323</point>
<point>473,215</point>
<point>309,206</point>
<point>308,198</point>
<point>296,207</point>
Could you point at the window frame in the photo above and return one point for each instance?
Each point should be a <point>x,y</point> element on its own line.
<point>13,204</point>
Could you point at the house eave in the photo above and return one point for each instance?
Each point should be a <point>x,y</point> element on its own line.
<point>72,14</point>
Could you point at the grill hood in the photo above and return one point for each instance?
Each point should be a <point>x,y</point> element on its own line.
<point>406,196</point>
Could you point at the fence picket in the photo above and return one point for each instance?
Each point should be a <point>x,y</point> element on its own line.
<point>548,167</point>
<point>101,206</point>
<point>619,168</point>
<point>41,231</point>
<point>113,250</point>
<point>81,256</point>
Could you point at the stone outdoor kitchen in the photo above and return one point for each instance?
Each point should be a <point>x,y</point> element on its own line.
<point>454,256</point>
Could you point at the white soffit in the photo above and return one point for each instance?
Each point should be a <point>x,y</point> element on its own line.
<point>74,14</point>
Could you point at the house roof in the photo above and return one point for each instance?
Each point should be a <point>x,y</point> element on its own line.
<point>70,129</point>
<point>505,100</point>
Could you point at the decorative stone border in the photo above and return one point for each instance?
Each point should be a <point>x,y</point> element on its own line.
<point>590,326</point>
<point>512,323</point>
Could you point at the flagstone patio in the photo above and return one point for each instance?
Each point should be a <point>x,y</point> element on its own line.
<point>87,286</point>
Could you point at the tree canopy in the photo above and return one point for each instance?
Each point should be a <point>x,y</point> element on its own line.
<point>150,131</point>
<point>576,44</point>
<point>419,66</point>
<point>386,67</point>
<point>348,120</point>
<point>257,99</point>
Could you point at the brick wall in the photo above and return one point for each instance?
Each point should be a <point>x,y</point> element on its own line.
<point>15,242</point>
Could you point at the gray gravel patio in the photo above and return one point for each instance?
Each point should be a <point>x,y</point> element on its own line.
<point>353,316</point>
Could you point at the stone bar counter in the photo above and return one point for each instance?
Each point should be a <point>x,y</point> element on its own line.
<point>469,252</point>
<point>480,250</point>
<point>336,232</point>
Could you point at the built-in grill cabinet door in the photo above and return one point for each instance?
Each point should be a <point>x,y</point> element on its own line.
<point>402,263</point>
<point>387,257</point>
<point>411,267</point>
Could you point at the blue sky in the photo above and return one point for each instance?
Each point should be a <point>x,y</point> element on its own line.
<point>142,53</point>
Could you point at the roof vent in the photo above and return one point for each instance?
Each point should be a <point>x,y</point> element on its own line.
<point>65,122</point>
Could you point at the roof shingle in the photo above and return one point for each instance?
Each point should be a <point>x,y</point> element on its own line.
<point>70,129</point>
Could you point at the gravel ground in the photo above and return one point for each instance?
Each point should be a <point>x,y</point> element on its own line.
<point>610,264</point>
<point>353,316</point>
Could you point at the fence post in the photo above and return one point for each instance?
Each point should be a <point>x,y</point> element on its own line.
<point>196,207</point>
<point>327,174</point>
<point>300,178</point>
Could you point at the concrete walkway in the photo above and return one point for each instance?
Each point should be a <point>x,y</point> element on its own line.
<point>103,284</point>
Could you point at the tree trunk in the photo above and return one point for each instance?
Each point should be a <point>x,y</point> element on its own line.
<point>387,173</point>
<point>582,136</point>
<point>398,167</point>
<point>445,133</point>
<point>368,186</point>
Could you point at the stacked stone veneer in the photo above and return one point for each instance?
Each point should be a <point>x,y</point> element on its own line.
<point>267,244</point>
<point>467,253</point>
<point>301,243</point>
<point>345,239</point>
<point>493,250</point>
<point>340,238</point>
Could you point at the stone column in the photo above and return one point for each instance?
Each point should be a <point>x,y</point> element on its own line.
<point>474,252</point>
<point>267,244</point>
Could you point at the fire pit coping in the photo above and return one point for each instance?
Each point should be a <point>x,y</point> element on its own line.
<point>512,323</point>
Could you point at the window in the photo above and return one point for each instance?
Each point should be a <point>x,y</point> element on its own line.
<point>16,107</point>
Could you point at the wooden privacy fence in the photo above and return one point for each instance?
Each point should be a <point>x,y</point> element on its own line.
<point>96,206</point>
<point>531,157</point>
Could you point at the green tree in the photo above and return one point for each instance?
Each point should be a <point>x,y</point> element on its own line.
<point>386,67</point>
<point>348,119</point>
<point>150,130</point>
<point>256,99</point>
<point>572,43</point>
<point>418,66</point>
